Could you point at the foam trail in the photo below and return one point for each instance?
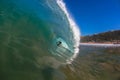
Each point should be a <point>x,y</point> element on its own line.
<point>73,26</point>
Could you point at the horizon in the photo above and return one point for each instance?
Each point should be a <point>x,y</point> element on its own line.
<point>95,16</point>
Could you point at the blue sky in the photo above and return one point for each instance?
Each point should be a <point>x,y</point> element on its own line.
<point>95,16</point>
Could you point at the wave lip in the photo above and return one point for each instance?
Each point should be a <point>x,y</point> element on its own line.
<point>74,28</point>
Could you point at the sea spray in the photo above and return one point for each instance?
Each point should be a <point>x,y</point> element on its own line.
<point>73,26</point>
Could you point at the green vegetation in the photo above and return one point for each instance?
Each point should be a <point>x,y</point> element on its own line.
<point>106,37</point>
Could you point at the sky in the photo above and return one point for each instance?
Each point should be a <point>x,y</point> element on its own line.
<point>95,16</point>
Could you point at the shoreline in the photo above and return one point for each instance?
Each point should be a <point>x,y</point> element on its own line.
<point>100,44</point>
<point>97,43</point>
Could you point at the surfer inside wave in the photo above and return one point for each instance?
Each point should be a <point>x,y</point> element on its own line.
<point>35,34</point>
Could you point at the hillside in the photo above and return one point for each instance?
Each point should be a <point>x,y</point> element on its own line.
<point>106,37</point>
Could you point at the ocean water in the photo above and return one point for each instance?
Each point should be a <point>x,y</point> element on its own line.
<point>40,41</point>
<point>36,38</point>
<point>94,63</point>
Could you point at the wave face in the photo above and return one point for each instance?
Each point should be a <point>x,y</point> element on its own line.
<point>73,26</point>
<point>37,32</point>
<point>36,37</point>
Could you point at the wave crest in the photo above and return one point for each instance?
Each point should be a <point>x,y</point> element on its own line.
<point>74,28</point>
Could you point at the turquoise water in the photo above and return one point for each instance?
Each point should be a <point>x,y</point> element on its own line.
<point>37,40</point>
<point>30,31</point>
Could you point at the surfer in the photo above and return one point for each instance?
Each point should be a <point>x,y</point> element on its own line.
<point>59,43</point>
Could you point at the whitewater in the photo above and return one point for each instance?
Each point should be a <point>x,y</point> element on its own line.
<point>73,26</point>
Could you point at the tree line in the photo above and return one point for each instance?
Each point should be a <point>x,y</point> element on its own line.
<point>105,37</point>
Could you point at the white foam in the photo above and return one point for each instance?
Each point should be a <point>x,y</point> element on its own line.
<point>100,45</point>
<point>73,26</point>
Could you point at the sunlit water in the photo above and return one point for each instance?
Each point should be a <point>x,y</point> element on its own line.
<point>36,38</point>
<point>95,63</point>
<point>40,41</point>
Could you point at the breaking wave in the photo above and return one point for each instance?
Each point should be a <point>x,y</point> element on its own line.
<point>73,26</point>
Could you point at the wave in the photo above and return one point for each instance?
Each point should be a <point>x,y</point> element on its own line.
<point>74,28</point>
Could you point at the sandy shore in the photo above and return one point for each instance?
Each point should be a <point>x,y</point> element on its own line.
<point>100,44</point>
